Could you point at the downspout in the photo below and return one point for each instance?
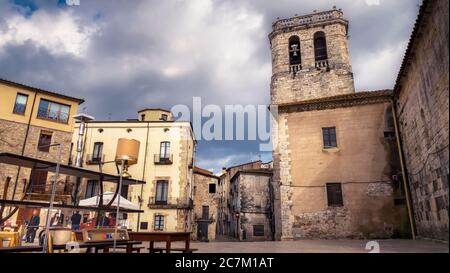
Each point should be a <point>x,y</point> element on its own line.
<point>24,144</point>
<point>143,177</point>
<point>404,173</point>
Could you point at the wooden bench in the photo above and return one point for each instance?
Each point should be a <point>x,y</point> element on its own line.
<point>176,249</point>
<point>133,249</point>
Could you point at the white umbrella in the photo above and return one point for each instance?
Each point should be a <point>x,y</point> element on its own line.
<point>107,196</point>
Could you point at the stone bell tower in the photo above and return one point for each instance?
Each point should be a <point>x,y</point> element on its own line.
<point>310,57</point>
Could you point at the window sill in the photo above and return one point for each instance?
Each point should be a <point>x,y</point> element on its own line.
<point>331,149</point>
<point>53,120</point>
<point>20,114</point>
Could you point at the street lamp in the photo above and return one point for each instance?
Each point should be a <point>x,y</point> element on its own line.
<point>127,153</point>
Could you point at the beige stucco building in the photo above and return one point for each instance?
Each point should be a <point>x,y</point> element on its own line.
<point>336,171</point>
<point>166,158</point>
<point>31,119</point>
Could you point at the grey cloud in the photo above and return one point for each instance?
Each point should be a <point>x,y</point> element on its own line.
<point>122,69</point>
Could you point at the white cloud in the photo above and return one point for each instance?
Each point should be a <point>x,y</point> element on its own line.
<point>378,70</point>
<point>60,33</point>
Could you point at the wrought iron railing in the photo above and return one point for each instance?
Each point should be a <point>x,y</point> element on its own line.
<point>162,159</point>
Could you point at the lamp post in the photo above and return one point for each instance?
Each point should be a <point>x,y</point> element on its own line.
<point>52,197</point>
<point>127,153</point>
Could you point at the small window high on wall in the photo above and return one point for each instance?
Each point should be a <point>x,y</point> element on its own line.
<point>294,50</point>
<point>320,46</point>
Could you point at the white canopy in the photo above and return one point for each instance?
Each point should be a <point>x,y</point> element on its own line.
<point>107,196</point>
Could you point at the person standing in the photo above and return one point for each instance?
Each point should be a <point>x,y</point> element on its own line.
<point>33,226</point>
<point>76,220</point>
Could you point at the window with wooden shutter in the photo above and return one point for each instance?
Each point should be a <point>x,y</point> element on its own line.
<point>334,195</point>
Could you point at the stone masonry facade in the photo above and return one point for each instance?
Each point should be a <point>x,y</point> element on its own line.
<point>12,137</point>
<point>422,106</point>
<point>204,198</point>
<point>317,94</point>
<point>310,81</point>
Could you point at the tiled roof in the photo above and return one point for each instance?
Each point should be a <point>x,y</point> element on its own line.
<point>412,39</point>
<point>80,101</point>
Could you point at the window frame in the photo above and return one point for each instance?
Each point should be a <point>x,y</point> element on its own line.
<point>334,200</point>
<point>166,145</point>
<point>258,234</point>
<point>50,103</point>
<point>209,188</point>
<point>294,40</point>
<point>92,187</point>
<point>320,35</point>
<point>161,198</point>
<point>44,147</point>
<point>158,222</point>
<point>326,132</point>
<point>97,151</point>
<point>25,106</point>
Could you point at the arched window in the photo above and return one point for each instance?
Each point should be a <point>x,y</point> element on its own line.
<point>294,50</point>
<point>320,46</point>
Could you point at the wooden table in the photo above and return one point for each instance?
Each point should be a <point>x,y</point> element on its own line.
<point>90,247</point>
<point>12,236</point>
<point>167,237</point>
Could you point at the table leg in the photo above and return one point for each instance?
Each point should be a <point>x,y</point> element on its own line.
<point>152,246</point>
<point>188,244</point>
<point>106,250</point>
<point>129,248</point>
<point>168,246</point>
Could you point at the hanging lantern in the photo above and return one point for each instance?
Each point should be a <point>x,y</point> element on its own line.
<point>127,150</point>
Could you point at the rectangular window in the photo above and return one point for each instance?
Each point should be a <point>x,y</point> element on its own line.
<point>91,188</point>
<point>165,150</point>
<point>97,154</point>
<point>21,104</point>
<point>212,188</point>
<point>161,192</point>
<point>258,230</point>
<point>45,139</point>
<point>53,111</point>
<point>144,225</point>
<point>124,191</point>
<point>159,222</point>
<point>164,117</point>
<point>334,195</point>
<point>329,137</point>
<point>205,212</point>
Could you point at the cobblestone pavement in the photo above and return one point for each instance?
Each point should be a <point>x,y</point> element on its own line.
<point>322,246</point>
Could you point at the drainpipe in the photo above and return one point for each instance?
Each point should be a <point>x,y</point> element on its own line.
<point>24,144</point>
<point>143,178</point>
<point>404,173</point>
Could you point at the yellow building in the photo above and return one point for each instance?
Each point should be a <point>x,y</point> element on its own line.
<point>165,162</point>
<point>31,119</point>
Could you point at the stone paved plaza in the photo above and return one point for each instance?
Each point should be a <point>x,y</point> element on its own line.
<point>321,246</point>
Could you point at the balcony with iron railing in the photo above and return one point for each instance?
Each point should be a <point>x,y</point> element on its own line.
<point>202,218</point>
<point>308,19</point>
<point>43,192</point>
<point>161,159</point>
<point>322,63</point>
<point>94,159</point>
<point>170,203</point>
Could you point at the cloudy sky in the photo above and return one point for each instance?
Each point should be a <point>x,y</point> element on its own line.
<point>121,55</point>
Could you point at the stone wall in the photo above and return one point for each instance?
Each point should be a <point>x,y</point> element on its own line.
<point>422,107</point>
<point>365,163</point>
<point>311,82</point>
<point>12,136</point>
<point>202,197</point>
<point>252,200</point>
